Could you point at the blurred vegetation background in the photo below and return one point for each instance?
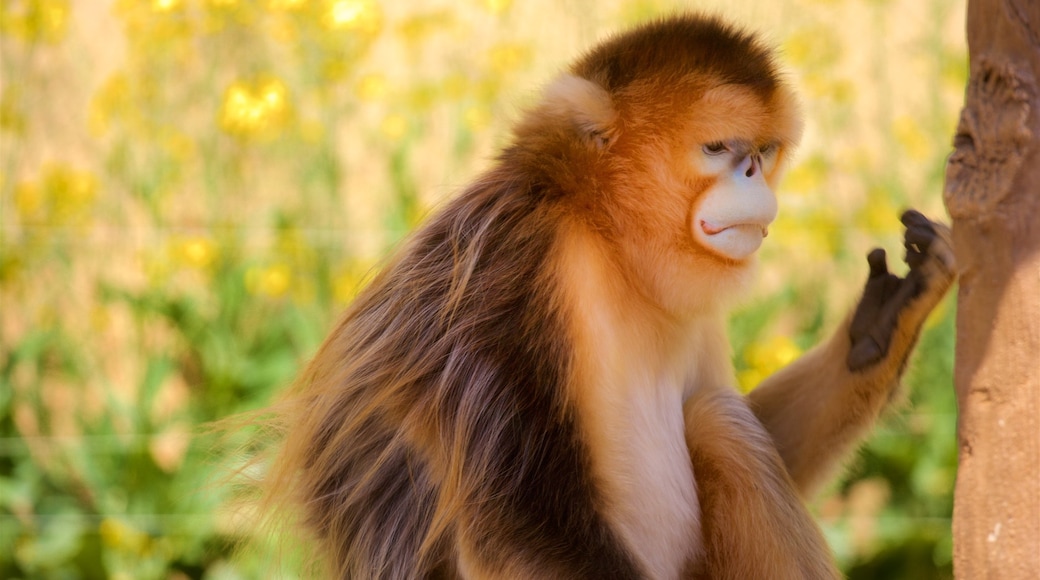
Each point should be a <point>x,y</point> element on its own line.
<point>191,190</point>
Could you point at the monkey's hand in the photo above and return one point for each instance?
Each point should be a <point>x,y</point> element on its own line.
<point>892,307</point>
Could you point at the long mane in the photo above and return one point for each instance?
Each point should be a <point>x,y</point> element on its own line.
<point>442,388</point>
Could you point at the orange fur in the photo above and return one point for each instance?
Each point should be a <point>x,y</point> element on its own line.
<point>755,524</point>
<point>539,384</point>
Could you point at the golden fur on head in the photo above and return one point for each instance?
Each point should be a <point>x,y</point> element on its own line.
<point>615,133</point>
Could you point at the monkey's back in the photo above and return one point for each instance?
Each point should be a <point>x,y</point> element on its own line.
<point>435,409</point>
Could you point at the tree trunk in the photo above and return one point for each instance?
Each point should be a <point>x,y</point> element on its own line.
<point>993,194</point>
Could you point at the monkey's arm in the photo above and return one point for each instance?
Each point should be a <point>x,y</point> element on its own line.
<point>818,408</point>
<point>753,522</point>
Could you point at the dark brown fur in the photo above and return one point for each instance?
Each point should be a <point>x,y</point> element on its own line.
<point>434,408</point>
<point>681,50</point>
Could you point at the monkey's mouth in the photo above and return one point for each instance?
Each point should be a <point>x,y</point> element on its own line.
<point>712,229</point>
<point>735,241</point>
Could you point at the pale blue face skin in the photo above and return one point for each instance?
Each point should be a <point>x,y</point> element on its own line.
<point>733,216</point>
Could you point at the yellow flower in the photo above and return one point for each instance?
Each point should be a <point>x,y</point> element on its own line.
<point>274,95</point>
<point>357,15</point>
<point>394,126</point>
<point>73,192</point>
<point>455,86</point>
<point>821,84</point>
<point>155,267</point>
<point>100,318</point>
<point>749,379</point>
<point>812,47</point>
<point>815,232</point>
<point>165,5</point>
<point>808,176</point>
<point>40,20</point>
<point>497,6</point>
<point>911,137</point>
<point>841,91</point>
<point>109,102</point>
<point>293,246</point>
<point>154,27</point>
<point>312,131</point>
<point>422,96</point>
<point>417,28</point>
<point>286,5</point>
<point>123,536</point>
<point>772,354</point>
<point>879,215</point>
<point>62,196</point>
<point>12,115</point>
<point>371,87</point>
<point>938,314</point>
<point>12,265</point>
<point>28,200</point>
<point>765,358</point>
<point>477,118</point>
<point>179,146</point>
<point>197,252</point>
<point>344,287</point>
<point>272,281</point>
<point>505,57</point>
<point>350,279</point>
<point>283,30</point>
<point>954,71</point>
<point>637,11</point>
<point>220,14</point>
<point>255,109</point>
<point>488,90</point>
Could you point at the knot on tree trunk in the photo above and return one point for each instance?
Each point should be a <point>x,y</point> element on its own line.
<point>992,139</point>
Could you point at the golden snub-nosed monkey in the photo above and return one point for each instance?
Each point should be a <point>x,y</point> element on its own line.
<point>538,384</point>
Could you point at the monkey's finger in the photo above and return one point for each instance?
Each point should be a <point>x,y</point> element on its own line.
<point>920,235</point>
<point>912,217</point>
<point>878,264</point>
<point>917,241</point>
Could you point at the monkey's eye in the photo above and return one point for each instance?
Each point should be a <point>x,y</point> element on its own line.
<point>714,148</point>
<point>769,154</point>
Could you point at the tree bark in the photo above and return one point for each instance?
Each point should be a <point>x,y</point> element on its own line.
<point>993,194</point>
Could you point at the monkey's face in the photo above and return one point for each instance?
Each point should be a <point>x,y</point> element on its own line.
<point>732,150</point>
<point>732,217</point>
<point>700,204</point>
<point>675,161</point>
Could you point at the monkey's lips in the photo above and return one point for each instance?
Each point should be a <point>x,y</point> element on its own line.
<point>712,229</point>
<point>735,241</point>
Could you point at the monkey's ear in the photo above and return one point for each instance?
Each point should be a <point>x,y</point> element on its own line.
<point>586,106</point>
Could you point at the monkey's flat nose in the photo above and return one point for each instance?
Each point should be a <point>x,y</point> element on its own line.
<point>749,166</point>
<point>754,163</point>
